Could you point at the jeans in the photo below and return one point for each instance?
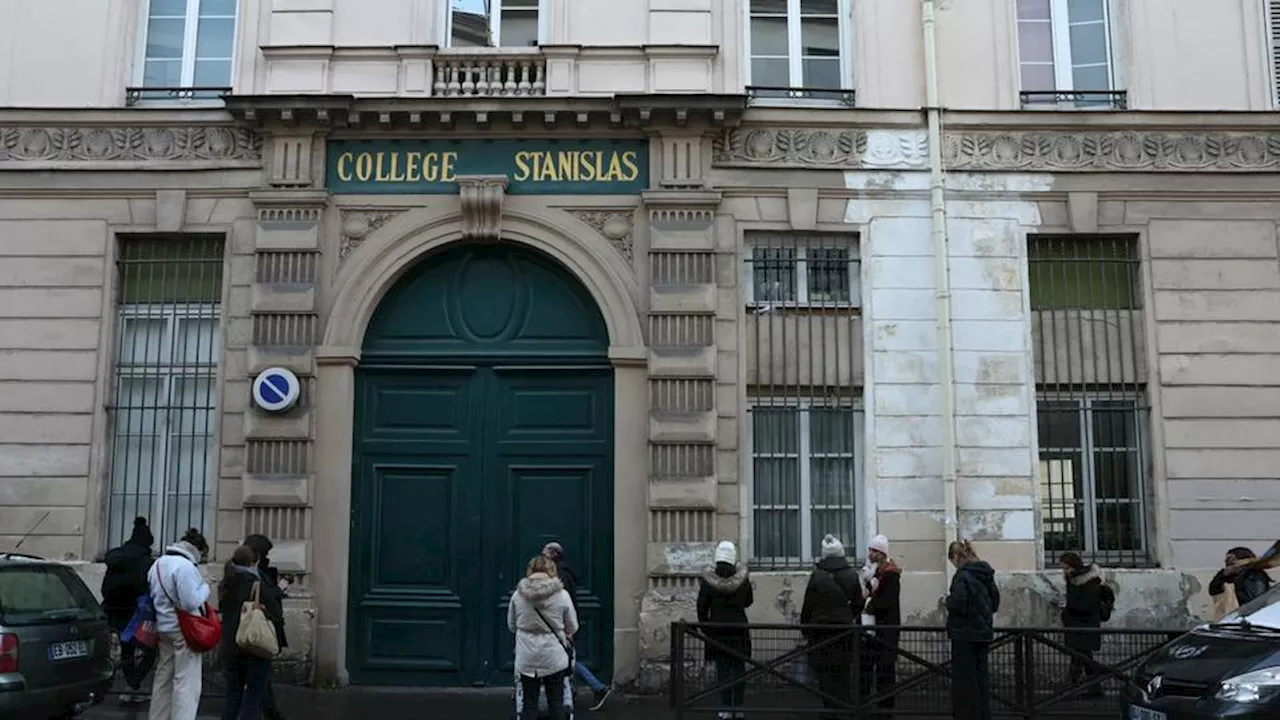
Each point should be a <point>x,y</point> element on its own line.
<point>248,678</point>
<point>727,669</point>
<point>136,660</point>
<point>585,674</point>
<point>559,695</point>
<point>175,694</point>
<point>970,680</point>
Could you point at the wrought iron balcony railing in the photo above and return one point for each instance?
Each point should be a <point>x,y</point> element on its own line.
<point>136,95</point>
<point>1075,99</point>
<point>846,98</point>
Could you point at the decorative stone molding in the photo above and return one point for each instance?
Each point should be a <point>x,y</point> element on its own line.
<point>135,144</point>
<point>481,197</point>
<point>801,147</point>
<point>357,224</point>
<point>615,225</point>
<point>1111,151</point>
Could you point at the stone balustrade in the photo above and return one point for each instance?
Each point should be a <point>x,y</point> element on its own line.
<point>489,73</point>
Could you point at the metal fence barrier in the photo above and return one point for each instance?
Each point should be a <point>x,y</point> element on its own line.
<point>1031,671</point>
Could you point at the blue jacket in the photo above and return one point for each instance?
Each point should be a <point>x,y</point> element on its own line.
<point>972,603</point>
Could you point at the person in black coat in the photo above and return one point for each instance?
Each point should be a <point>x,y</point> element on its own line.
<point>1082,609</point>
<point>832,597</point>
<point>272,596</point>
<point>124,582</point>
<point>247,675</point>
<point>1248,582</point>
<point>971,606</point>
<point>724,594</point>
<point>882,585</point>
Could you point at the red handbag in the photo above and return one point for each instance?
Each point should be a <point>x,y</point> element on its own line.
<point>202,630</point>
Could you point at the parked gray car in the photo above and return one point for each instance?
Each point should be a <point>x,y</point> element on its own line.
<point>54,641</point>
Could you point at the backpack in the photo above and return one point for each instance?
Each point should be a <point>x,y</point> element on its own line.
<point>1108,601</point>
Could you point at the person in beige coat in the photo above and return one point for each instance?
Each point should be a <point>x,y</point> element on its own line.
<point>542,617</point>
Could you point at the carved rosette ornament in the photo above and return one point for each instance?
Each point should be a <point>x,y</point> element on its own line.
<point>358,224</point>
<point>481,197</point>
<point>615,225</point>
<point>804,147</point>
<point>125,144</point>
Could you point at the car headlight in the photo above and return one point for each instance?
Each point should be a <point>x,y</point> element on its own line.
<point>1251,687</point>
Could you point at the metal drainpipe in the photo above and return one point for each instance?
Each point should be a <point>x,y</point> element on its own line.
<point>942,279</point>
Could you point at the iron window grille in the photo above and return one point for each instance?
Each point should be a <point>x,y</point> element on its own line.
<point>805,474</point>
<point>164,410</point>
<point>494,23</point>
<point>1092,409</point>
<point>187,51</point>
<point>799,44</point>
<point>802,271</point>
<point>1273,45</point>
<point>1066,55</point>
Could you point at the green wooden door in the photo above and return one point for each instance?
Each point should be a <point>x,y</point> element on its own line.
<point>484,426</point>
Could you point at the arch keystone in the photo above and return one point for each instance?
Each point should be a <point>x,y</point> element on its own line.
<point>481,197</point>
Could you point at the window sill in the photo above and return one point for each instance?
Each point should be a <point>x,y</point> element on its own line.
<point>834,308</point>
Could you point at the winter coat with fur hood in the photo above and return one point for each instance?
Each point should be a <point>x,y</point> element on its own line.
<point>724,594</point>
<point>1083,608</point>
<point>540,650</point>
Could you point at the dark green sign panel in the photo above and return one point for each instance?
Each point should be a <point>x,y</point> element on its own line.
<point>532,167</point>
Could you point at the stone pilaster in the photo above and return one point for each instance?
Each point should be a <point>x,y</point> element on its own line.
<point>278,465</point>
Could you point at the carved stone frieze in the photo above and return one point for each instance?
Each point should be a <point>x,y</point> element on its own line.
<point>804,147</point>
<point>615,225</point>
<point>1111,151</point>
<point>481,197</point>
<point>1002,150</point>
<point>117,144</point>
<point>357,224</point>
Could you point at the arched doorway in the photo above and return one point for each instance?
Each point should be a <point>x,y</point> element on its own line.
<point>483,429</point>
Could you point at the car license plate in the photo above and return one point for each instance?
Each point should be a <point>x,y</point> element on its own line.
<point>69,650</point>
<point>1141,713</point>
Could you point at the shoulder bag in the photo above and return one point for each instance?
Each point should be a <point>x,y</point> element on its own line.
<point>202,630</point>
<point>256,634</point>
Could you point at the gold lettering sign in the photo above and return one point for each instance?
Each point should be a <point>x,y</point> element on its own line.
<point>433,167</point>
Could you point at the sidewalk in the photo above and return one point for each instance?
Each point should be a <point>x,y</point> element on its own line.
<point>407,704</point>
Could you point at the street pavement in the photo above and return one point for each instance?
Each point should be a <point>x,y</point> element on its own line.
<point>377,704</point>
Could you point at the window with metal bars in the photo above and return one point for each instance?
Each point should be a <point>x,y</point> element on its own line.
<point>163,413</point>
<point>803,343</point>
<point>1273,37</point>
<point>1092,409</point>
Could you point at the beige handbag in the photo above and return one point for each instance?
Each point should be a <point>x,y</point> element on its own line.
<point>1225,603</point>
<point>256,634</point>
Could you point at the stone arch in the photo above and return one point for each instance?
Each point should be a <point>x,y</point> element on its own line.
<point>385,255</point>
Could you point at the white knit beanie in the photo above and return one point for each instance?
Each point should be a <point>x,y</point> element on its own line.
<point>832,547</point>
<point>726,553</point>
<point>879,543</point>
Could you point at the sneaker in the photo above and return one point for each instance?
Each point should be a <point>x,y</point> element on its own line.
<point>724,716</point>
<point>599,696</point>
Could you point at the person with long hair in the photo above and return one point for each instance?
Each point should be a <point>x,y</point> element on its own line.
<point>542,617</point>
<point>971,607</point>
<point>247,674</point>
<point>273,601</point>
<point>175,579</point>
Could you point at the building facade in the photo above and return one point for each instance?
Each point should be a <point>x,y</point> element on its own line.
<point>639,276</point>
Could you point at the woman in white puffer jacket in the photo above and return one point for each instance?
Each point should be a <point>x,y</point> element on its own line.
<point>541,615</point>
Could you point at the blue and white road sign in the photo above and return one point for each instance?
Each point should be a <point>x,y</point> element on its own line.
<point>276,389</point>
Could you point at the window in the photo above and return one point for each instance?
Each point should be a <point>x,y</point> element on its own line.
<point>802,270</point>
<point>1092,474</point>
<point>1088,341</point>
<point>31,594</point>
<point>188,47</point>
<point>804,470</point>
<point>164,411</point>
<point>1066,53</point>
<point>494,23</point>
<point>1273,37</point>
<point>799,48</point>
